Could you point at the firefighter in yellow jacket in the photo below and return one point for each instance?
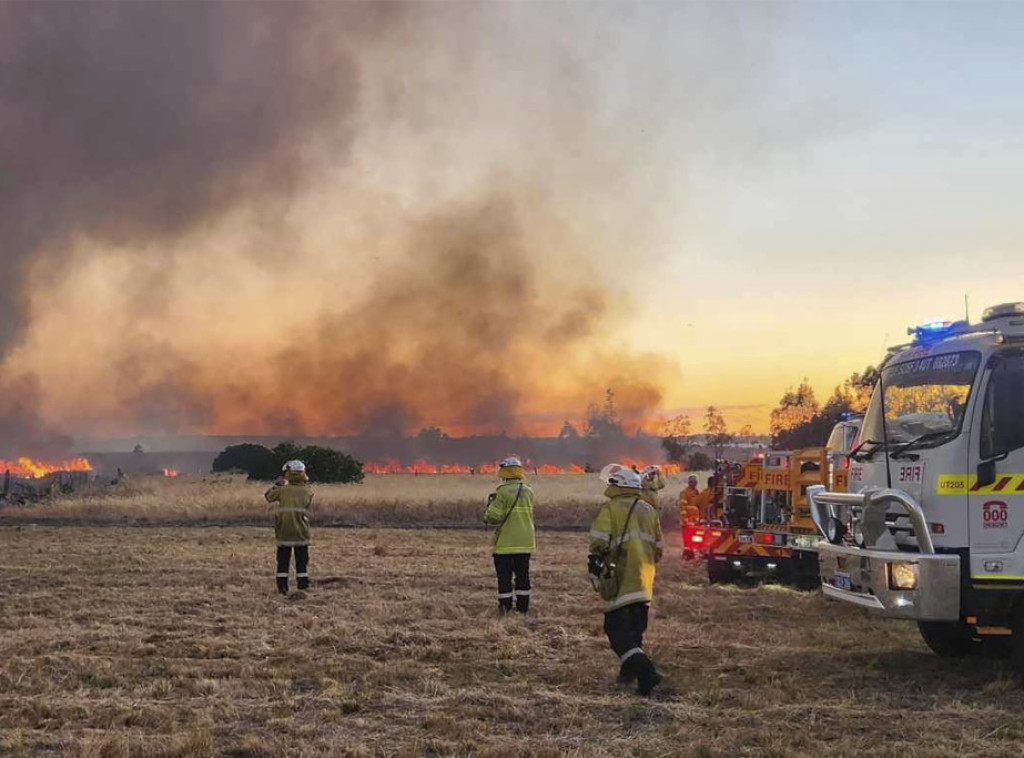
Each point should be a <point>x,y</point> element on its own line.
<point>293,499</point>
<point>689,510</point>
<point>652,480</point>
<point>510,508</point>
<point>627,532</point>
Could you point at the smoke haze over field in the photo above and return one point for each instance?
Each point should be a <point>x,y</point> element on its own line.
<point>305,218</point>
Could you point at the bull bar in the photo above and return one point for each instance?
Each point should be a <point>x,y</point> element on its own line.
<point>861,575</point>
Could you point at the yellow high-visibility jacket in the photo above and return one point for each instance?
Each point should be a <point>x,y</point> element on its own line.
<point>641,539</point>
<point>689,510</point>
<point>291,516</point>
<point>516,534</point>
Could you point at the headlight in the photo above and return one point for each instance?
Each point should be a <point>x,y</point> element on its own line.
<point>858,535</point>
<point>902,576</point>
<point>834,530</point>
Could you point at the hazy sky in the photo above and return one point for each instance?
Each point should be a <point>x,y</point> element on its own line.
<point>489,212</point>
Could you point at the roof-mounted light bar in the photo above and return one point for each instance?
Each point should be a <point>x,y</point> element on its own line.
<point>1002,311</point>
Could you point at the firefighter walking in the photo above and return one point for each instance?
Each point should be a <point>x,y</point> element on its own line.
<point>625,546</point>
<point>293,498</point>
<point>510,508</point>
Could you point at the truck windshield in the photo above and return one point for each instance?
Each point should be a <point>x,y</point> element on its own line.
<point>924,398</point>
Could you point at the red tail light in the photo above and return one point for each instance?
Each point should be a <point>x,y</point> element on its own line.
<point>939,529</point>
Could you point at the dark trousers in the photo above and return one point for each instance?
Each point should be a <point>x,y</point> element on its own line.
<point>284,560</point>
<point>625,628</point>
<point>508,566</point>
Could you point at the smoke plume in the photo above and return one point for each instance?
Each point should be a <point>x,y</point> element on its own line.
<point>332,218</point>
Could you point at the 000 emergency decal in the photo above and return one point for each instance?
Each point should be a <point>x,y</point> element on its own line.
<point>994,514</point>
<point>963,484</point>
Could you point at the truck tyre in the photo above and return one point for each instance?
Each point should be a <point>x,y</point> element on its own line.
<point>1017,640</point>
<point>947,639</point>
<point>719,572</point>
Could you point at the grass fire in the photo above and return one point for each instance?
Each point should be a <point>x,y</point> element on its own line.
<point>499,379</point>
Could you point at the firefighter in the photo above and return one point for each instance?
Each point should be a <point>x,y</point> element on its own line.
<point>294,499</point>
<point>652,480</point>
<point>706,502</point>
<point>510,507</point>
<point>627,533</point>
<point>689,512</point>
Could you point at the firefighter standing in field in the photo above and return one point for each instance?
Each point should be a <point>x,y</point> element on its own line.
<point>293,499</point>
<point>689,511</point>
<point>510,508</point>
<point>652,480</point>
<point>707,501</point>
<point>627,533</point>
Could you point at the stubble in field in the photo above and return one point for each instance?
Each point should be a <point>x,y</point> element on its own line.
<point>171,642</point>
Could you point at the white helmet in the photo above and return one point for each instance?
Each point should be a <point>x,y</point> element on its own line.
<point>650,473</point>
<point>620,476</point>
<point>294,466</point>
<point>510,461</point>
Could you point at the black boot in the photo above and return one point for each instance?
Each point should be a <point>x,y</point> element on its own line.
<point>504,605</point>
<point>303,582</point>
<point>627,673</point>
<point>522,603</point>
<point>282,585</point>
<point>646,675</point>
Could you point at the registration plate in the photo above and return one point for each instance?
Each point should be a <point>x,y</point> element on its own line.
<point>746,538</point>
<point>842,581</point>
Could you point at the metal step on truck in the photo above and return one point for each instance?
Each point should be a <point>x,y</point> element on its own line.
<point>931,528</point>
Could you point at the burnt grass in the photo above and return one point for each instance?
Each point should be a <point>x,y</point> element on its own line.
<point>172,642</point>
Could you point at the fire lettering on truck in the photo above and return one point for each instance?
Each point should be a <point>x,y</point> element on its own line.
<point>910,474</point>
<point>994,514</point>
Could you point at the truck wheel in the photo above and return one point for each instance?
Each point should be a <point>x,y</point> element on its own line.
<point>719,573</point>
<point>1016,643</point>
<point>947,639</point>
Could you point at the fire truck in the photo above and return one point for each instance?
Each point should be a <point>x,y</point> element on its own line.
<point>932,529</point>
<point>769,533</point>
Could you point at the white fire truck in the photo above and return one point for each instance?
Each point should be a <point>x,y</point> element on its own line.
<point>931,527</point>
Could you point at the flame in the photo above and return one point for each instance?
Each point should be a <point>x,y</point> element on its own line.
<point>170,473</point>
<point>392,466</point>
<point>26,467</point>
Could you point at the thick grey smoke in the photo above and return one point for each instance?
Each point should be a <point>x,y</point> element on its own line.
<point>326,218</point>
<point>133,123</point>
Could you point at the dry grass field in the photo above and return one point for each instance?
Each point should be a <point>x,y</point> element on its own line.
<point>406,500</point>
<point>171,642</point>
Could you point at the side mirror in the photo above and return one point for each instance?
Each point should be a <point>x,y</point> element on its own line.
<point>987,473</point>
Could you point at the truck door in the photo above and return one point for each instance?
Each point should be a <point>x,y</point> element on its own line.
<point>996,475</point>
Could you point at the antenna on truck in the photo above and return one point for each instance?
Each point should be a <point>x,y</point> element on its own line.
<point>967,309</point>
<point>885,428</point>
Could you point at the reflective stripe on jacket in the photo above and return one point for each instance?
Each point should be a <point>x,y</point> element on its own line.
<point>291,517</point>
<point>516,535</point>
<point>642,544</point>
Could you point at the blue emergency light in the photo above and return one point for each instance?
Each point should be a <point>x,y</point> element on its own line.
<point>934,331</point>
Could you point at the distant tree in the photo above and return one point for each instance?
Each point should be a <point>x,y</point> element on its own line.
<point>322,464</point>
<point>568,432</point>
<point>796,407</point>
<point>716,430</point>
<point>254,460</point>
<point>603,421</point>
<point>431,434</point>
<point>138,449</point>
<point>850,397</point>
<point>699,461</point>
<point>675,438</point>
